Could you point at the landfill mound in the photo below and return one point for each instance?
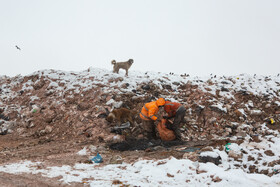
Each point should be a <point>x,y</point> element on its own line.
<point>52,113</point>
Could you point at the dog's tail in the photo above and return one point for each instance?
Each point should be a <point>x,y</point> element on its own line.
<point>113,62</point>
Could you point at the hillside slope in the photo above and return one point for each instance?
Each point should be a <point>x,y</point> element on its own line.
<point>51,113</point>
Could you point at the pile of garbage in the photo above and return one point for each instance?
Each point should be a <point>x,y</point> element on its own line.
<point>57,104</point>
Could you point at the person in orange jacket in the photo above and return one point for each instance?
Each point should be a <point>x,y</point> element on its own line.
<point>148,116</point>
<point>177,111</point>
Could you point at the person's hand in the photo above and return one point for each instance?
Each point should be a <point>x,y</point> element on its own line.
<point>157,121</point>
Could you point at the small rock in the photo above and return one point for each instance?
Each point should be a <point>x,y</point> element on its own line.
<point>200,171</point>
<point>208,148</point>
<point>92,148</point>
<point>48,129</point>
<point>116,159</point>
<point>49,92</point>
<point>228,107</point>
<point>191,156</point>
<point>114,138</point>
<point>119,79</point>
<point>256,139</point>
<point>250,103</point>
<point>20,130</point>
<point>241,134</point>
<point>229,130</point>
<point>49,115</point>
<point>250,158</point>
<point>39,84</point>
<point>238,113</point>
<point>252,168</point>
<point>3,131</point>
<point>169,175</point>
<point>146,87</point>
<point>235,155</point>
<point>176,83</point>
<point>166,86</point>
<point>125,85</point>
<point>209,157</point>
<point>256,112</point>
<point>223,89</point>
<point>117,104</point>
<point>83,106</point>
<point>217,179</point>
<point>269,153</point>
<point>268,105</point>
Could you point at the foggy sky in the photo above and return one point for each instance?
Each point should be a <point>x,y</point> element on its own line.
<point>197,37</point>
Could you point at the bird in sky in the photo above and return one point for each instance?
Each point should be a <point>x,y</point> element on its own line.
<point>18,47</point>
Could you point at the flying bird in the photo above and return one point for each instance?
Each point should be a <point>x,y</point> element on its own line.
<point>18,47</point>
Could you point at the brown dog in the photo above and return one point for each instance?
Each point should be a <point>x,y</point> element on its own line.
<point>122,65</point>
<point>121,115</point>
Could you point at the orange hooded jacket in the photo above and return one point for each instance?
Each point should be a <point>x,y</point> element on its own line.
<point>171,108</point>
<point>149,110</point>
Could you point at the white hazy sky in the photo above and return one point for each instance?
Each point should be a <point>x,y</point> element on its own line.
<point>197,37</point>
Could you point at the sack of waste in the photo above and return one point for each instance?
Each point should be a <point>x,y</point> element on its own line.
<point>165,133</point>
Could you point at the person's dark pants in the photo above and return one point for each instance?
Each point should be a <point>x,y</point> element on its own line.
<point>178,119</point>
<point>149,129</point>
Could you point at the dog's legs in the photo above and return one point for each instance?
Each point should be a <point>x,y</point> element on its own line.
<point>126,72</point>
<point>114,69</point>
<point>131,121</point>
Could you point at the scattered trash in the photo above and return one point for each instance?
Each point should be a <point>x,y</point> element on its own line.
<point>227,149</point>
<point>83,151</point>
<point>117,159</point>
<point>276,171</point>
<point>146,87</point>
<point>6,118</point>
<point>269,121</point>
<point>35,109</point>
<point>117,129</point>
<point>123,126</point>
<point>188,149</point>
<point>97,158</point>
<point>115,182</point>
<point>3,131</point>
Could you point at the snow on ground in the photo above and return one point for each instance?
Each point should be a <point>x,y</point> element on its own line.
<point>167,172</point>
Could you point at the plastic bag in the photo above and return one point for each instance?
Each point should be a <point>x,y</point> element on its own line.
<point>97,158</point>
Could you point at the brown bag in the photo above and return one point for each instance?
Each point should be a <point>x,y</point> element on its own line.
<point>165,133</point>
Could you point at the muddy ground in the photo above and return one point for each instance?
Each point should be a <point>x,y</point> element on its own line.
<point>64,152</point>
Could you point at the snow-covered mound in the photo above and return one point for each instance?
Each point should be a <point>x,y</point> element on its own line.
<point>240,114</point>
